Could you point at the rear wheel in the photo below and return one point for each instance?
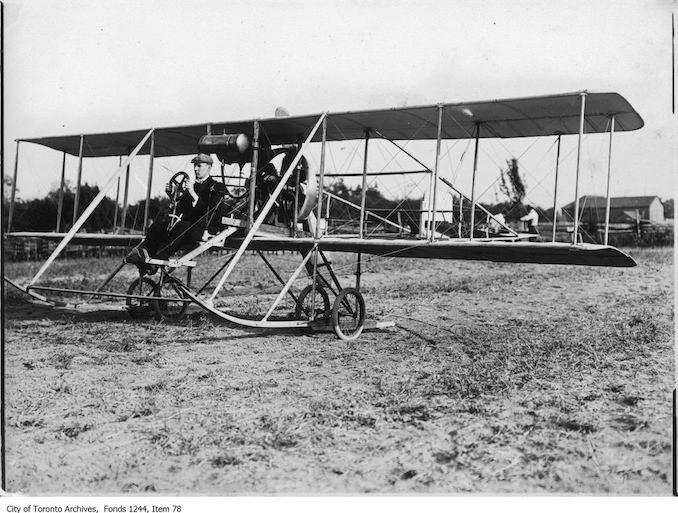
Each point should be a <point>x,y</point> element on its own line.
<point>304,308</point>
<point>348,314</point>
<point>170,288</point>
<point>138,307</point>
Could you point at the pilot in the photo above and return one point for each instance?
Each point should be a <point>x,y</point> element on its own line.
<point>195,210</point>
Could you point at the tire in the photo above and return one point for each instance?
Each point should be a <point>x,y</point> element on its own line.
<point>348,314</point>
<point>170,310</point>
<point>303,309</point>
<point>138,308</point>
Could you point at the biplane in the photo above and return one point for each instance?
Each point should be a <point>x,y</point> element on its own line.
<point>291,212</point>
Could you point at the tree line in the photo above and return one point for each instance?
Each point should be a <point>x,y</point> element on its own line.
<point>40,214</point>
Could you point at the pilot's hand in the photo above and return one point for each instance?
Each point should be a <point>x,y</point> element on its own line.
<point>169,189</point>
<point>188,186</point>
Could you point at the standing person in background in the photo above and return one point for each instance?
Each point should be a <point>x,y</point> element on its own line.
<point>531,220</point>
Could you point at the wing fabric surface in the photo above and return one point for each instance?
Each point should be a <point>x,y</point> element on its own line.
<point>517,117</point>
<point>493,251</point>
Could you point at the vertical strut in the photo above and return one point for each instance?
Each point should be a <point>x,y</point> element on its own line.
<point>76,201</point>
<point>432,222</point>
<point>253,175</point>
<point>125,196</point>
<point>13,194</point>
<point>117,201</point>
<point>295,218</point>
<point>555,191</point>
<point>609,169</point>
<point>576,183</point>
<point>60,205</point>
<point>473,181</point>
<point>363,192</point>
<point>319,210</point>
<point>151,156</point>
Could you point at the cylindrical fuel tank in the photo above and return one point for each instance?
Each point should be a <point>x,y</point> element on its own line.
<point>229,148</point>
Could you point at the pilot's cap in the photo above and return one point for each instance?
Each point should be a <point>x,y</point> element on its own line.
<point>202,158</point>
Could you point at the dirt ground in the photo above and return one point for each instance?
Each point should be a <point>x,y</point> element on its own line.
<point>498,378</point>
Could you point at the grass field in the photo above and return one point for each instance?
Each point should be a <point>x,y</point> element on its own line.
<point>498,378</point>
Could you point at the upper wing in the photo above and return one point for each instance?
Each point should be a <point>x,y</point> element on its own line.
<point>516,117</point>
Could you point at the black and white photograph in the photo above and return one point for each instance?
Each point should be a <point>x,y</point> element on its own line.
<point>319,248</point>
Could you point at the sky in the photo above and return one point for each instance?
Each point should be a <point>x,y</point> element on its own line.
<point>76,67</point>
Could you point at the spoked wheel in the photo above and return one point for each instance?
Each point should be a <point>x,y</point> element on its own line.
<point>305,307</point>
<point>138,307</point>
<point>170,310</point>
<point>348,314</point>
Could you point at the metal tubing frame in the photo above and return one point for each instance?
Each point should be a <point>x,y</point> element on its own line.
<point>275,273</point>
<point>609,172</point>
<point>60,201</point>
<point>555,191</point>
<point>332,274</point>
<point>27,291</point>
<point>384,173</point>
<point>217,240</point>
<point>147,206</point>
<point>108,278</point>
<point>88,211</point>
<point>96,293</point>
<point>435,173</point>
<point>289,283</point>
<point>473,181</point>
<point>576,183</point>
<point>204,286</point>
<point>446,182</point>
<point>321,279</point>
<point>363,191</point>
<point>76,201</point>
<point>262,215</point>
<point>367,212</point>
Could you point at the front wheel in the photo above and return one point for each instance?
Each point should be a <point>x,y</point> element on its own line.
<point>348,314</point>
<point>304,308</point>
<point>137,306</point>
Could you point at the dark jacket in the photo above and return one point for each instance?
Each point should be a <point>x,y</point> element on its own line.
<point>206,211</point>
